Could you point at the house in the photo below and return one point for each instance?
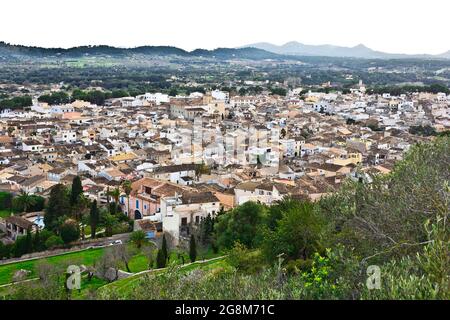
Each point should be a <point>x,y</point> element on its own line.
<point>32,146</point>
<point>145,197</point>
<point>174,173</point>
<point>264,192</point>
<point>181,214</point>
<point>17,226</point>
<point>57,174</point>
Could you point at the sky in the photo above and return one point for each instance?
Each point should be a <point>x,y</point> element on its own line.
<point>394,26</point>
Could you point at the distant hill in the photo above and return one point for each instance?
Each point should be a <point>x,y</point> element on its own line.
<point>326,50</point>
<point>17,51</point>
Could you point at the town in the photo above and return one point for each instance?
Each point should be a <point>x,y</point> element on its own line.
<point>171,161</point>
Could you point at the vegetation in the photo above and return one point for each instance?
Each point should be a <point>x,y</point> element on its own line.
<point>302,250</point>
<point>297,249</point>
<point>192,249</point>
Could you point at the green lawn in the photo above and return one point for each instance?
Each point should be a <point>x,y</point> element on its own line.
<point>5,213</point>
<point>86,257</point>
<point>126,285</point>
<point>140,262</point>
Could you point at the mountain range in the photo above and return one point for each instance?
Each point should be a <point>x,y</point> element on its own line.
<point>20,51</point>
<point>359,51</point>
<point>256,51</point>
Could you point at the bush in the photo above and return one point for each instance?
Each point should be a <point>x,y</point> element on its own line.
<point>53,242</point>
<point>245,260</point>
<point>69,231</point>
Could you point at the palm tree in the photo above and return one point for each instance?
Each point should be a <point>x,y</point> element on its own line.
<point>126,187</point>
<point>25,200</point>
<point>109,221</point>
<point>115,194</point>
<point>81,207</point>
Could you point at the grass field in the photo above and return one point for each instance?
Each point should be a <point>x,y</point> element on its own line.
<point>137,263</point>
<point>122,287</point>
<point>86,257</point>
<point>5,213</point>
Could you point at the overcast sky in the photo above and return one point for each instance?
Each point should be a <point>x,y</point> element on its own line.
<point>397,26</point>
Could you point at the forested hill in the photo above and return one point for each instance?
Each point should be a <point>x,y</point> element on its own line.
<point>19,51</point>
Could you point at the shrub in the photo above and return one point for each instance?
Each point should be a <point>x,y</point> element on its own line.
<point>53,242</point>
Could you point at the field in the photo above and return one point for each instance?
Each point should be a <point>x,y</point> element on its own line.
<point>5,213</point>
<point>138,262</point>
<point>86,257</point>
<point>124,286</point>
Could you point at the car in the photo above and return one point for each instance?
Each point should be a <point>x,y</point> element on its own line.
<point>115,242</point>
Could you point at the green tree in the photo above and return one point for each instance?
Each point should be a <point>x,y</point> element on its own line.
<point>160,259</point>
<point>109,221</point>
<point>80,211</point>
<point>297,234</point>
<point>38,243</point>
<point>76,190</point>
<point>138,238</point>
<point>69,231</point>
<point>127,188</point>
<point>164,248</point>
<point>24,200</point>
<point>53,241</point>
<point>115,194</point>
<point>192,249</point>
<point>94,218</point>
<point>240,224</point>
<point>58,206</point>
<point>206,229</point>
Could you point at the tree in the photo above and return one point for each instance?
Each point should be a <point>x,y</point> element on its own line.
<point>297,234</point>
<point>77,189</point>
<point>69,231</point>
<point>38,243</point>
<point>58,206</point>
<point>127,188</point>
<point>206,229</point>
<point>53,241</point>
<point>149,252</point>
<point>94,218</point>
<point>5,250</point>
<point>29,241</point>
<point>24,200</point>
<point>164,248</point>
<point>115,194</point>
<point>385,217</point>
<point>123,254</point>
<point>192,249</point>
<point>241,224</point>
<point>22,245</point>
<point>81,207</point>
<point>138,238</point>
<point>160,259</point>
<point>109,221</point>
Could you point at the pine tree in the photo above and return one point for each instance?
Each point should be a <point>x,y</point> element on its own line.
<point>77,189</point>
<point>164,248</point>
<point>94,218</point>
<point>160,259</point>
<point>37,242</point>
<point>29,242</point>
<point>192,249</point>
